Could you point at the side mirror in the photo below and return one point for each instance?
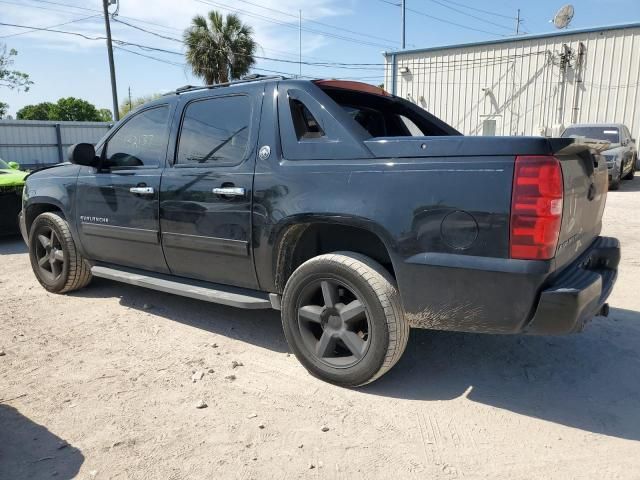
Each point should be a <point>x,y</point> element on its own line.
<point>14,165</point>
<point>83,154</point>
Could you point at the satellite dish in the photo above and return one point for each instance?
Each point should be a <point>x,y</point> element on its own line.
<point>564,16</point>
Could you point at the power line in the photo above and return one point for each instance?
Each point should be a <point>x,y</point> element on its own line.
<point>418,12</point>
<point>437,2</point>
<point>41,8</point>
<point>50,26</point>
<point>100,11</point>
<point>279,72</point>
<point>495,14</point>
<point>265,18</point>
<point>360,66</point>
<point>172,52</point>
<point>317,22</point>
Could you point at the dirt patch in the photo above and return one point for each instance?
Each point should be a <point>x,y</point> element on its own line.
<point>139,385</point>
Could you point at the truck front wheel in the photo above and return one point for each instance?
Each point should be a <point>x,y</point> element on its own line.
<point>55,260</point>
<point>343,318</point>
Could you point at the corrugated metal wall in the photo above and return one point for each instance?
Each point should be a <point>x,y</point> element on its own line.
<point>34,143</point>
<point>532,86</point>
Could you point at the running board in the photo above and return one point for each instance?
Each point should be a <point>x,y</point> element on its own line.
<point>209,292</point>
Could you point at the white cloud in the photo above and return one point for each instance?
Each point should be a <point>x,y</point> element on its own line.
<point>172,17</point>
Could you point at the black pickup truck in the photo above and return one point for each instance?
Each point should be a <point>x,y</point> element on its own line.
<point>354,212</point>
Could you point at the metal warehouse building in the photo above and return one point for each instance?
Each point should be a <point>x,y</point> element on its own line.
<point>527,85</point>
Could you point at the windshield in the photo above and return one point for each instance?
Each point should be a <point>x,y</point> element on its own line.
<point>609,134</point>
<point>3,165</point>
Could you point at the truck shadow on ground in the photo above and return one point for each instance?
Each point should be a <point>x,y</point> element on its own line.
<point>30,451</point>
<point>12,245</point>
<point>631,186</point>
<point>589,381</point>
<point>258,327</point>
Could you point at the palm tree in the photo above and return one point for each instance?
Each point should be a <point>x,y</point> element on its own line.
<point>221,49</point>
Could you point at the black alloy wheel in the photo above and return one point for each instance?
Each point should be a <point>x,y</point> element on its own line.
<point>49,254</point>
<point>343,318</point>
<point>334,323</point>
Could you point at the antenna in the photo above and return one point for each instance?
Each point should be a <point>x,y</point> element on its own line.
<point>564,16</point>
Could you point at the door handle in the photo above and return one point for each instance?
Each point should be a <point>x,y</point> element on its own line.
<point>142,190</point>
<point>230,191</point>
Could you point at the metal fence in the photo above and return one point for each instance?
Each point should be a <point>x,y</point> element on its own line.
<point>34,143</point>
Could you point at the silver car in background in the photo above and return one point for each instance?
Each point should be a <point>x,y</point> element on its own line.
<point>622,154</point>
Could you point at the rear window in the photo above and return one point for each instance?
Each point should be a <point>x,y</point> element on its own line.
<point>386,116</point>
<point>608,134</point>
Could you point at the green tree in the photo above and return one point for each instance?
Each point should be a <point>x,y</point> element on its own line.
<point>3,110</point>
<point>126,107</point>
<point>105,115</point>
<point>74,109</point>
<point>65,109</point>
<point>220,49</point>
<point>12,79</point>
<point>39,111</point>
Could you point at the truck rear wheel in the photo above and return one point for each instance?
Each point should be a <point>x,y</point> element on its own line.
<point>55,260</point>
<point>343,318</point>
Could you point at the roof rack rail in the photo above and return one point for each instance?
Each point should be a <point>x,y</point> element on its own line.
<point>247,79</point>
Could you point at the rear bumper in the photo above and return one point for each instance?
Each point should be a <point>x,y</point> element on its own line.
<point>496,295</point>
<point>579,292</point>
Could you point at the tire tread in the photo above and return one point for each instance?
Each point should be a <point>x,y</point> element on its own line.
<point>385,289</point>
<point>79,274</point>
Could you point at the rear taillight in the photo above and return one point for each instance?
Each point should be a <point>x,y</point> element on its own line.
<point>536,207</point>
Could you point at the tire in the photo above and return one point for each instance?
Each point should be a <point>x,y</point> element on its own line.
<point>320,313</point>
<point>615,182</point>
<point>632,171</point>
<point>55,260</point>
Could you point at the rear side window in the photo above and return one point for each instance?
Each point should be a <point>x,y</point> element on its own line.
<point>215,131</point>
<point>141,141</point>
<point>304,122</point>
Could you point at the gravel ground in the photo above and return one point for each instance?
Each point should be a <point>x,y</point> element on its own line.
<point>105,383</point>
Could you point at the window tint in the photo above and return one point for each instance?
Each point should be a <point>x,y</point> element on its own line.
<point>142,141</point>
<point>305,124</point>
<point>383,116</point>
<point>215,131</point>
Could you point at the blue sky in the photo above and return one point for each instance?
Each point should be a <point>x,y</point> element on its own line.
<point>67,65</point>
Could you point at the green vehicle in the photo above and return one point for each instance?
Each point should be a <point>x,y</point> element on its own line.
<point>11,185</point>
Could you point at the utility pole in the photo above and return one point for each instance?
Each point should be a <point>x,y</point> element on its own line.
<point>129,98</point>
<point>112,68</point>
<point>518,22</point>
<point>300,45</point>
<point>403,6</point>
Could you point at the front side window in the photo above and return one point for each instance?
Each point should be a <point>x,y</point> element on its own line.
<point>141,142</point>
<point>215,131</point>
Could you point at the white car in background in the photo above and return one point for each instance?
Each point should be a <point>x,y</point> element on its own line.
<point>622,154</point>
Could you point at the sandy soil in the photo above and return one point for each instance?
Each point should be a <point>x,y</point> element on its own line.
<point>100,384</point>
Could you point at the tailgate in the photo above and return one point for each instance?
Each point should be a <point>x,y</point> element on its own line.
<point>585,179</point>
